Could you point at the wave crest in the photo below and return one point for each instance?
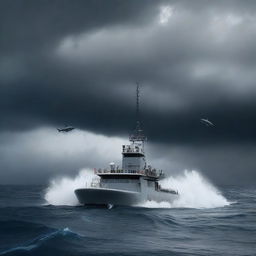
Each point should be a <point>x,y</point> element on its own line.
<point>61,190</point>
<point>38,241</point>
<point>195,191</point>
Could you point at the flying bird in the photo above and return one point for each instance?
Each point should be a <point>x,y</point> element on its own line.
<point>66,129</point>
<point>206,122</point>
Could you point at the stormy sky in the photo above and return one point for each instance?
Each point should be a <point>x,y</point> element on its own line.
<point>77,63</point>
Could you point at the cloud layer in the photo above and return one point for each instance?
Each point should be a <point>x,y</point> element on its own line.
<point>77,63</point>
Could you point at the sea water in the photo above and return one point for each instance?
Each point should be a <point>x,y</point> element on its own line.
<point>204,220</point>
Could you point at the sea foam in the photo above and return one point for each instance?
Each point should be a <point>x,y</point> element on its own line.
<point>61,190</point>
<point>195,191</point>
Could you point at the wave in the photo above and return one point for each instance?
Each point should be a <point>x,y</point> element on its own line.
<point>38,241</point>
<point>61,190</point>
<point>195,191</point>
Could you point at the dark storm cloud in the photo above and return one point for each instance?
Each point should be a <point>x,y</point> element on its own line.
<point>77,63</point>
<point>31,25</point>
<point>37,89</point>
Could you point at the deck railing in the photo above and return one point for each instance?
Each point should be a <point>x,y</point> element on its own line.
<point>147,172</point>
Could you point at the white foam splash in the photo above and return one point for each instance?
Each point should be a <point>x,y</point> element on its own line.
<point>61,190</point>
<point>154,204</point>
<point>195,191</point>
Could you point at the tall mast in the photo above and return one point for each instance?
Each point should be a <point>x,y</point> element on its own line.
<point>138,133</point>
<point>137,108</point>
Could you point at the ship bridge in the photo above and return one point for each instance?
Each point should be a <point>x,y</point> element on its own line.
<point>133,158</point>
<point>133,150</point>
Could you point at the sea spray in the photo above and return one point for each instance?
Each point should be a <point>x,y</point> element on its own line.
<point>61,190</point>
<point>194,190</point>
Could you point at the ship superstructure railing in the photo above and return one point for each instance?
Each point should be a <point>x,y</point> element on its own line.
<point>147,172</point>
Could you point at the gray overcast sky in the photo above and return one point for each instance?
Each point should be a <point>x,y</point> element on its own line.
<point>76,62</point>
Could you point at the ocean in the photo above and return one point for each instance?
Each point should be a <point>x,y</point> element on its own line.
<point>46,220</point>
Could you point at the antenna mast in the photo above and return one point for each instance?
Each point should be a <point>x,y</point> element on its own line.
<point>138,133</point>
<point>138,108</point>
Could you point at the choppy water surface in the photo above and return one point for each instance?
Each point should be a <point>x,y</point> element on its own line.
<point>30,226</point>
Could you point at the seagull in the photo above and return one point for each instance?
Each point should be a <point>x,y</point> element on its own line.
<point>66,129</point>
<point>206,122</point>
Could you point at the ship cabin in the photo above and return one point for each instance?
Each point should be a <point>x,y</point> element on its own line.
<point>134,169</point>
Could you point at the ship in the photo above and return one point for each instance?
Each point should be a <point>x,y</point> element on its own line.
<point>134,183</point>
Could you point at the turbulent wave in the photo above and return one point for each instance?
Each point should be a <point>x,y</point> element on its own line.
<point>195,191</point>
<point>40,230</point>
<point>38,241</point>
<point>61,190</point>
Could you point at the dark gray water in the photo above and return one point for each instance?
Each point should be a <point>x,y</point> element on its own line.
<point>28,227</point>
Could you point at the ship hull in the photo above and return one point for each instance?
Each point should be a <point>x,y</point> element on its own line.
<point>102,196</point>
<point>98,196</point>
